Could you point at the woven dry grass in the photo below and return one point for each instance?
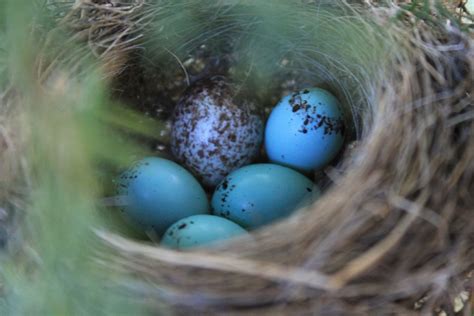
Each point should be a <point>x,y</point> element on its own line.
<point>396,226</point>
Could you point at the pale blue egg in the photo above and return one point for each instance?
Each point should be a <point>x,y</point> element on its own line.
<point>260,194</point>
<point>200,230</point>
<point>158,192</point>
<point>214,132</point>
<point>305,130</point>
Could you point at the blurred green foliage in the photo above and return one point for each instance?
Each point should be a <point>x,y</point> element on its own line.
<point>325,43</point>
<point>72,131</point>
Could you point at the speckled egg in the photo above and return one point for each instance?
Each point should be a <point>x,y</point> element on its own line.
<point>158,192</point>
<point>259,194</point>
<point>200,230</point>
<point>214,132</point>
<point>305,130</point>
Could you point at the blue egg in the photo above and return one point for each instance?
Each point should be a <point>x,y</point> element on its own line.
<point>305,130</point>
<point>214,132</point>
<point>200,230</point>
<point>158,192</point>
<point>260,194</point>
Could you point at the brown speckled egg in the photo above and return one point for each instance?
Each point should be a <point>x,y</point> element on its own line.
<point>214,132</point>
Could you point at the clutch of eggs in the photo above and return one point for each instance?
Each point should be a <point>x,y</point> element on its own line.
<point>214,137</point>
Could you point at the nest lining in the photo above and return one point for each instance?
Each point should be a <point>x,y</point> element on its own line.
<point>395,227</point>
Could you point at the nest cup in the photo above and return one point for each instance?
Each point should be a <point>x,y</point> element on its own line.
<point>395,224</point>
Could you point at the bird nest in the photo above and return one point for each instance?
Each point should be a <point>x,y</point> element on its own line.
<point>392,234</point>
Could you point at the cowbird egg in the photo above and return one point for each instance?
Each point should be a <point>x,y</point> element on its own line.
<point>305,130</point>
<point>200,230</point>
<point>259,194</point>
<point>157,192</point>
<point>214,132</point>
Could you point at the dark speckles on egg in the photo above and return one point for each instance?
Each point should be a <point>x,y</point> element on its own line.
<point>232,137</point>
<point>214,133</point>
